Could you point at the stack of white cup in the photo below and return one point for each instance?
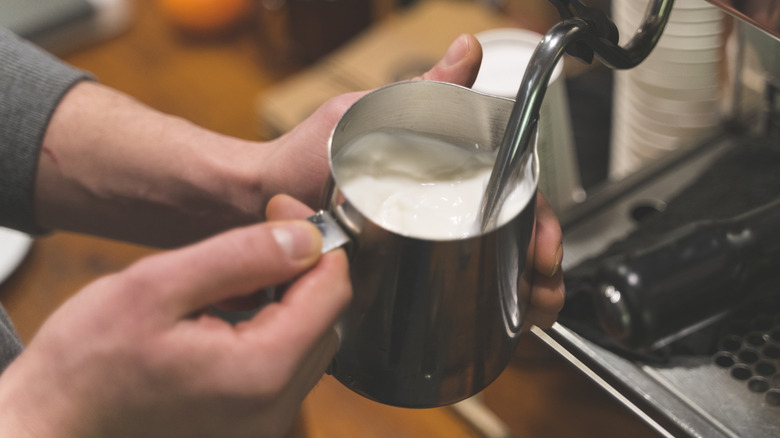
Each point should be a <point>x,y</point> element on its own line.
<point>673,98</point>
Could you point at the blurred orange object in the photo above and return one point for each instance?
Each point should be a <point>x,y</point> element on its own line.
<point>205,16</point>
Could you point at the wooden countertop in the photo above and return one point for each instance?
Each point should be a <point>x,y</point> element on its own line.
<point>214,83</point>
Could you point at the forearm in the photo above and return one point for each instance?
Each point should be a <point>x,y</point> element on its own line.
<point>113,167</point>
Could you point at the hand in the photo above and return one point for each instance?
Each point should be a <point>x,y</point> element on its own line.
<point>159,180</point>
<point>300,158</point>
<point>548,290</point>
<point>135,354</point>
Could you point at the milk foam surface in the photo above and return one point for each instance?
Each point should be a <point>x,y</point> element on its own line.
<point>421,186</point>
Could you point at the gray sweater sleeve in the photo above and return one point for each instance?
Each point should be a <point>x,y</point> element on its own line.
<point>32,83</point>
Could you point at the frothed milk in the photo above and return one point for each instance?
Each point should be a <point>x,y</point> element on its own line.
<point>422,186</point>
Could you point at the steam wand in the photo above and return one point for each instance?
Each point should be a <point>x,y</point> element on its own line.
<point>584,35</point>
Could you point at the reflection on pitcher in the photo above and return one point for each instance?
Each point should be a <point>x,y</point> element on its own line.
<point>438,304</point>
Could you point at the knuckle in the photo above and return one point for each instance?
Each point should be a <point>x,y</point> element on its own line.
<point>339,104</point>
<point>549,297</point>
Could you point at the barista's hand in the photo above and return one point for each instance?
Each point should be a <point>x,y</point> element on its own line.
<point>547,294</point>
<point>135,355</point>
<point>300,157</point>
<point>159,180</point>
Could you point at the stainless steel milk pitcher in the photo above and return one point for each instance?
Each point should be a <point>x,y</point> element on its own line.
<point>432,321</point>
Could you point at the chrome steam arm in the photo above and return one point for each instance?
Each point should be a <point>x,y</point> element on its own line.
<point>585,32</point>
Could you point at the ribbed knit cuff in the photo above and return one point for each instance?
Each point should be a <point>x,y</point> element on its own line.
<point>32,83</point>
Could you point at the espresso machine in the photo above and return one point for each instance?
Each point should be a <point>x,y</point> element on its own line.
<point>673,291</point>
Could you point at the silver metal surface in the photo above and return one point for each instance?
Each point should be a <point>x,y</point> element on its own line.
<point>763,14</point>
<point>332,234</point>
<point>431,322</point>
<point>519,134</point>
<point>690,396</point>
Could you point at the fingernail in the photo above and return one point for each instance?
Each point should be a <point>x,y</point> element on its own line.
<point>558,260</point>
<point>298,240</point>
<point>456,52</point>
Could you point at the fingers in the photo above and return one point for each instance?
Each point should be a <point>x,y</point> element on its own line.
<point>460,63</point>
<point>548,292</point>
<point>309,308</point>
<point>232,264</point>
<point>320,293</point>
<point>549,245</point>
<point>547,299</point>
<point>288,331</point>
<point>283,207</point>
<point>279,208</point>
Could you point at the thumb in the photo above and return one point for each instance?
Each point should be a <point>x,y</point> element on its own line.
<point>460,63</point>
<point>232,264</point>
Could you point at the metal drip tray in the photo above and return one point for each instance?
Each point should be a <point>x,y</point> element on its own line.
<point>722,379</point>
